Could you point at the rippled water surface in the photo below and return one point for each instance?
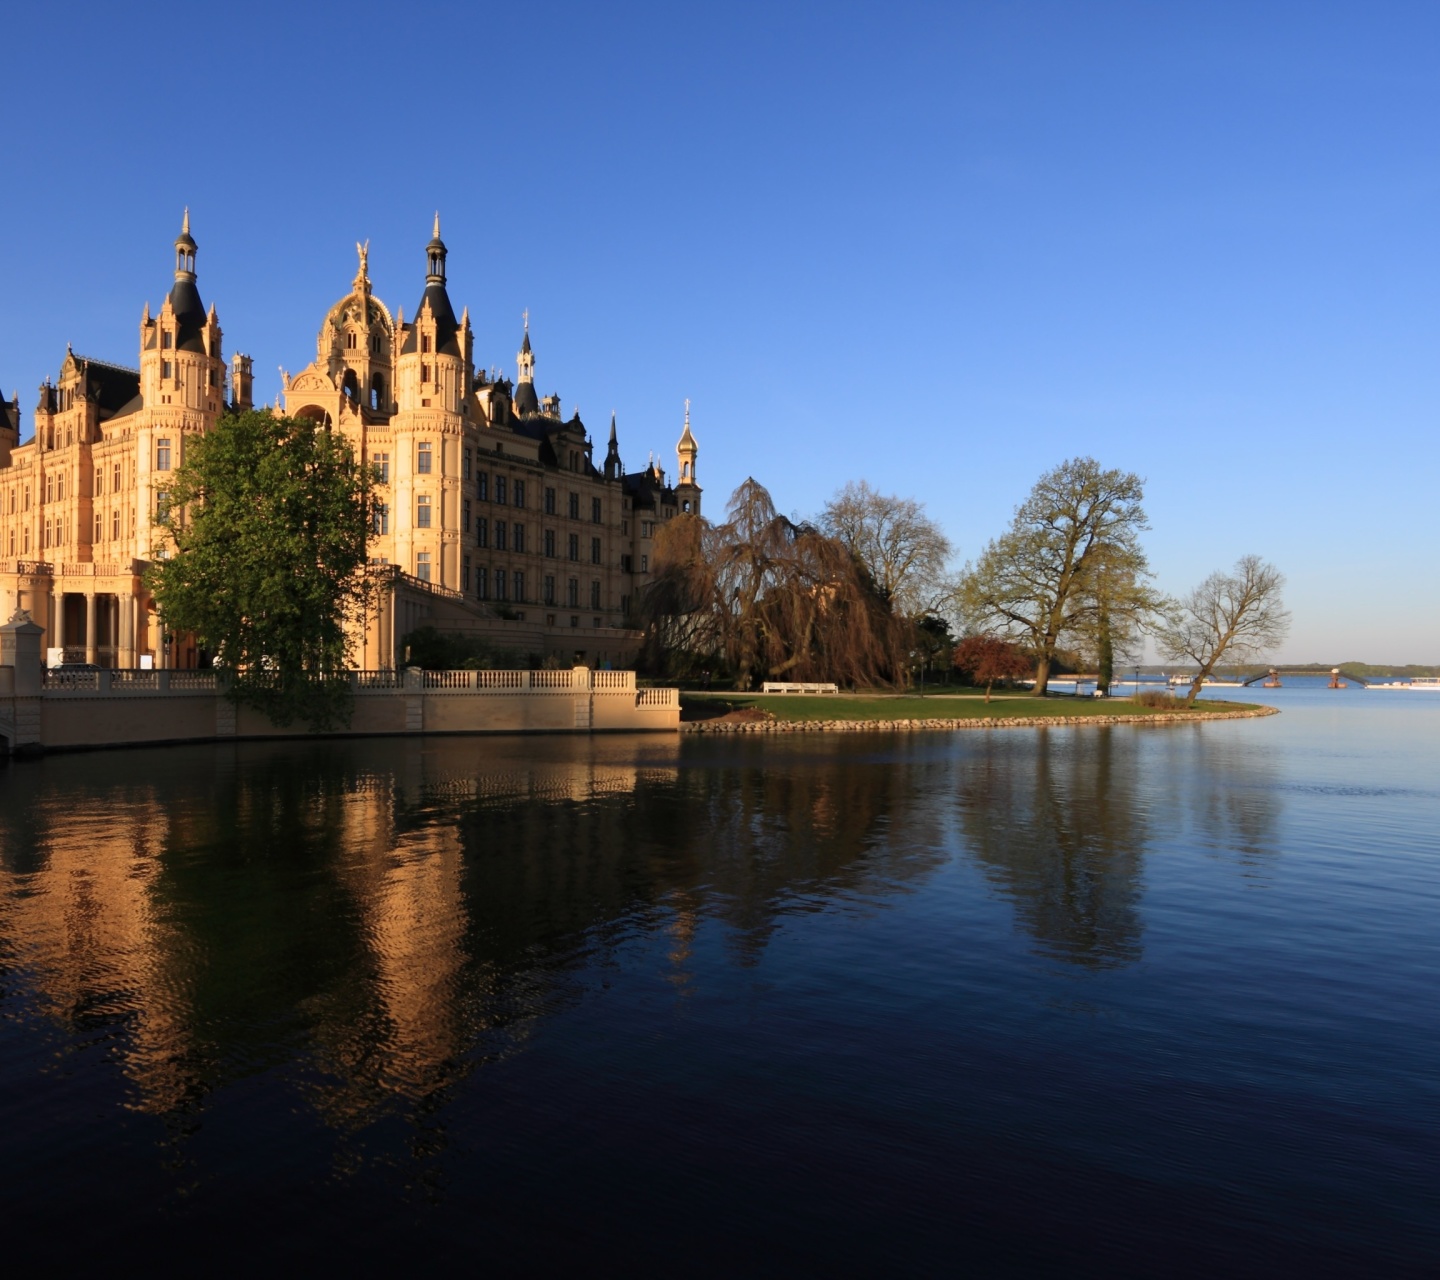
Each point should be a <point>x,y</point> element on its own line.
<point>1091,1000</point>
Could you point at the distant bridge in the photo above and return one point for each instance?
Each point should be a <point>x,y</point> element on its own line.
<point>1335,673</point>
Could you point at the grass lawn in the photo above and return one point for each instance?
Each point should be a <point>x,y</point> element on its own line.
<point>969,705</point>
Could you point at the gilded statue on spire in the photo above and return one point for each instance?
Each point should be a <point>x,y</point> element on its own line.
<point>362,277</point>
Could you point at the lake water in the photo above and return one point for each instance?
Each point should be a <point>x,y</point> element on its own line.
<point>1121,1001</point>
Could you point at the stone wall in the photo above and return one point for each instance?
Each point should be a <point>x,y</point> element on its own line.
<point>74,710</point>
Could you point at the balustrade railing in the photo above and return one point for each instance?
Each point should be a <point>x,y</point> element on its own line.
<point>449,679</point>
<point>379,679</point>
<point>78,680</point>
<point>190,681</point>
<point>136,680</point>
<point>501,679</point>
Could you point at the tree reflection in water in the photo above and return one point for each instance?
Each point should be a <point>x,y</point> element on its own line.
<point>1060,825</point>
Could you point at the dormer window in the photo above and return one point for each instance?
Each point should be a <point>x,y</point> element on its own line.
<point>167,341</point>
<point>424,343</point>
<point>349,342</point>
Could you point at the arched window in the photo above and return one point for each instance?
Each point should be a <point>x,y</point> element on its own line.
<point>351,385</point>
<point>377,392</point>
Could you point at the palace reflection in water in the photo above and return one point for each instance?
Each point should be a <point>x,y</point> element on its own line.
<point>407,910</point>
<point>336,985</point>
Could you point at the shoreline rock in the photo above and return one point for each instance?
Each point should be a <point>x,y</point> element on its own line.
<point>984,722</point>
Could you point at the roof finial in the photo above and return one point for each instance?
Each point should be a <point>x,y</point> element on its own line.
<point>525,316</point>
<point>687,411</point>
<point>362,277</point>
<point>437,224</point>
<point>185,223</point>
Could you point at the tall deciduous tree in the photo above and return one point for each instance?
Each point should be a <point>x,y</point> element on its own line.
<point>902,548</point>
<point>269,522</point>
<point>1241,614</point>
<point>760,596</point>
<point>1070,561</point>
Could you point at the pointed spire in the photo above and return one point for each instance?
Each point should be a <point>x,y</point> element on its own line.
<point>185,250</point>
<point>687,440</point>
<point>612,426</point>
<point>435,256</point>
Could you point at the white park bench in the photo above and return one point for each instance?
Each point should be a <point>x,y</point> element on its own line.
<point>782,686</point>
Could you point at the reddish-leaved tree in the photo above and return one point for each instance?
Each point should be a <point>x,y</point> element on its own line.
<point>986,659</point>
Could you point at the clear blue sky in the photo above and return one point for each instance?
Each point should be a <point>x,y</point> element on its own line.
<point>939,247</point>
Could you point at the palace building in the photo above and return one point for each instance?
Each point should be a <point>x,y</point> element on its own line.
<point>494,518</point>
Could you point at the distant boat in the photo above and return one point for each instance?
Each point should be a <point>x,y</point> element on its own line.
<point>1430,683</point>
<point>1179,682</point>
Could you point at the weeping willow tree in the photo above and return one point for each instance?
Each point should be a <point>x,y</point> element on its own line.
<point>761,597</point>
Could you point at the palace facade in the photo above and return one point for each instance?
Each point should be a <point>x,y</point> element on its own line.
<point>494,517</point>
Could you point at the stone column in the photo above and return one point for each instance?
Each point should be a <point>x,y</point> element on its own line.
<point>125,634</point>
<point>56,638</point>
<point>90,647</point>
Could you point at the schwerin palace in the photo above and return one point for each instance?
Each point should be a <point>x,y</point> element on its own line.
<point>493,517</point>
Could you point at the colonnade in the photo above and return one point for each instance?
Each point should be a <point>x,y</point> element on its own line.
<point>115,630</point>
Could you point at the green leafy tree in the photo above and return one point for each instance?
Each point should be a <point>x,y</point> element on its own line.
<point>267,522</point>
<point>1069,566</point>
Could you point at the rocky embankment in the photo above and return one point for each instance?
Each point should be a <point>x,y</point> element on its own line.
<point>726,725</point>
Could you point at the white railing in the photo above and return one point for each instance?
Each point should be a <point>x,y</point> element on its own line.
<point>379,679</point>
<point>500,679</point>
<point>790,686</point>
<point>191,680</point>
<point>141,681</point>
<point>578,681</point>
<point>72,679</point>
<point>450,679</point>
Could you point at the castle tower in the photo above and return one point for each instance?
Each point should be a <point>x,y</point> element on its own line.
<point>180,361</point>
<point>614,468</point>
<point>242,383</point>
<point>356,347</point>
<point>687,489</point>
<point>9,429</point>
<point>525,401</point>
<point>427,434</point>
<point>433,369</point>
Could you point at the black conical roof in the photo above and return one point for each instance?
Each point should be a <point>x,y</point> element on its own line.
<point>189,313</point>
